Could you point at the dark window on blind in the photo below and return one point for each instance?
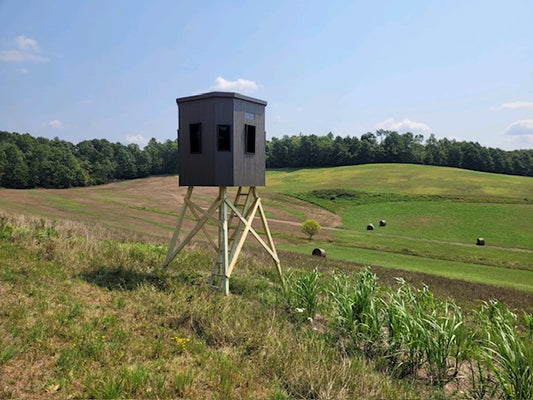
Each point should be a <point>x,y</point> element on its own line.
<point>249,140</point>
<point>224,137</point>
<point>195,131</point>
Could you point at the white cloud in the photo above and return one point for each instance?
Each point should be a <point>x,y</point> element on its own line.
<point>27,50</point>
<point>241,85</point>
<point>27,44</point>
<point>54,124</point>
<point>20,56</point>
<point>405,125</point>
<point>137,139</point>
<point>517,104</point>
<point>23,71</point>
<point>520,128</point>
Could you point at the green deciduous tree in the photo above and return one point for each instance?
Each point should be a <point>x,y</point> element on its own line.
<point>16,171</point>
<point>311,227</point>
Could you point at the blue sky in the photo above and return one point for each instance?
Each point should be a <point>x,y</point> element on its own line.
<point>113,69</point>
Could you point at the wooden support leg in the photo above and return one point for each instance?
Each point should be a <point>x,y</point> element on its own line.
<point>220,266</point>
<point>274,253</point>
<point>236,234</point>
<point>176,235</point>
<point>229,247</point>
<point>247,226</point>
<point>224,238</point>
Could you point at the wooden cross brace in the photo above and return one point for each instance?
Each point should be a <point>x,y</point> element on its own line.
<point>230,238</point>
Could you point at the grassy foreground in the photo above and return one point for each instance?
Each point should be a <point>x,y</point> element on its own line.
<point>86,316</point>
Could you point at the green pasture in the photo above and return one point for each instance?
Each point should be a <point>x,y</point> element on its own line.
<point>430,248</point>
<point>505,225</point>
<point>434,216</point>
<point>518,279</point>
<point>404,179</point>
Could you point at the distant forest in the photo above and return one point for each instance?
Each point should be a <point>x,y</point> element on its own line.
<point>29,162</point>
<point>392,147</point>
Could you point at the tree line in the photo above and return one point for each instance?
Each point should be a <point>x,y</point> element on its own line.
<point>29,162</point>
<point>391,147</point>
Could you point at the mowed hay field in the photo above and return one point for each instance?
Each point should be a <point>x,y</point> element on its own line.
<point>434,216</point>
<point>145,206</point>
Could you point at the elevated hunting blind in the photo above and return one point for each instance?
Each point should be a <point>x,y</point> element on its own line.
<point>221,142</point>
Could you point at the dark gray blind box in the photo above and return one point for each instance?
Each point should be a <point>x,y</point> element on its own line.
<point>221,140</point>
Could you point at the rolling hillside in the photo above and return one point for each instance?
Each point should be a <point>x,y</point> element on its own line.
<point>433,214</point>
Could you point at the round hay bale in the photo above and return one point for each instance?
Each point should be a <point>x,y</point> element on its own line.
<point>319,252</point>
<point>370,227</point>
<point>382,223</point>
<point>480,242</point>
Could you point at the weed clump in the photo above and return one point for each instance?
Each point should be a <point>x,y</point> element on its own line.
<point>409,333</point>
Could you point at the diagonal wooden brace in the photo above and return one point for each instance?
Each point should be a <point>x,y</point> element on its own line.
<point>247,227</point>
<point>203,219</point>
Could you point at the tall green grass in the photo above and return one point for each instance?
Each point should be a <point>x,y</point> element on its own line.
<point>302,293</point>
<point>356,310</point>
<point>408,332</point>
<point>505,353</point>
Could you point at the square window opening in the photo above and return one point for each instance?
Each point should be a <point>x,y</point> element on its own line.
<point>195,131</point>
<point>249,139</point>
<point>224,137</point>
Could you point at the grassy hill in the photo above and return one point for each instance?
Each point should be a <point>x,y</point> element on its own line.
<point>84,315</point>
<point>87,312</point>
<point>404,179</point>
<point>434,216</point>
